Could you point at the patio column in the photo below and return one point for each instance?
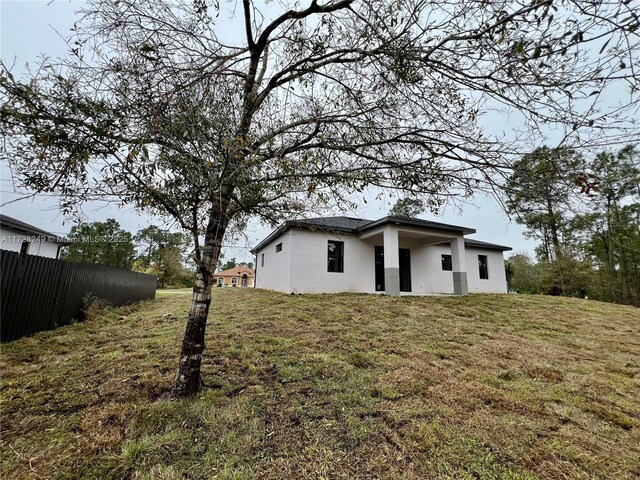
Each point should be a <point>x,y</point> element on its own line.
<point>391,261</point>
<point>458,260</point>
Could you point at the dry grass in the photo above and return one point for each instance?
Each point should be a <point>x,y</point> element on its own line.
<point>332,386</point>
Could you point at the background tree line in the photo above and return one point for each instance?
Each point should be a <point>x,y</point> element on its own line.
<point>151,250</point>
<point>586,215</point>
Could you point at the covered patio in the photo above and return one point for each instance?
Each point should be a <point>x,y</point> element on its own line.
<point>395,238</point>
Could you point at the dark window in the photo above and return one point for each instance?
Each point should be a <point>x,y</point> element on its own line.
<point>447,265</point>
<point>483,268</point>
<point>379,259</point>
<point>405,269</point>
<point>24,248</point>
<point>335,252</point>
<point>262,260</point>
<point>279,247</point>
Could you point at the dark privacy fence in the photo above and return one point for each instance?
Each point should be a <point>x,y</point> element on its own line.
<point>39,293</point>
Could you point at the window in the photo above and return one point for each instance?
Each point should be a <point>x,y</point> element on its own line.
<point>447,265</point>
<point>24,248</point>
<point>234,281</point>
<point>262,260</point>
<point>220,280</point>
<point>379,274</point>
<point>279,247</point>
<point>483,268</point>
<point>335,262</point>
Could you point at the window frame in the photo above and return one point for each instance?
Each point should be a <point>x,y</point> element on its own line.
<point>262,260</point>
<point>220,280</point>
<point>337,256</point>
<point>234,281</point>
<point>279,247</point>
<point>446,262</point>
<point>483,267</point>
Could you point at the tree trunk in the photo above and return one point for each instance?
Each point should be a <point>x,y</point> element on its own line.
<point>545,244</point>
<point>188,380</point>
<point>613,276</point>
<point>555,238</point>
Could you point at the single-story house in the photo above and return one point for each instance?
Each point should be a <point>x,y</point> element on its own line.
<point>18,236</point>
<point>236,277</point>
<point>393,255</point>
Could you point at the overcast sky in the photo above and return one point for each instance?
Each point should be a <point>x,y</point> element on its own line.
<point>30,29</point>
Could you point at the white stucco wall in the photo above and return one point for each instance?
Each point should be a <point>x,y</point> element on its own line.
<point>497,282</point>
<point>309,264</point>
<point>12,240</point>
<point>427,275</point>
<point>276,273</point>
<point>301,266</point>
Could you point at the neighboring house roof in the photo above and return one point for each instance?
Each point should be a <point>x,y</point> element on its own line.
<point>357,225</point>
<point>236,272</point>
<point>20,226</point>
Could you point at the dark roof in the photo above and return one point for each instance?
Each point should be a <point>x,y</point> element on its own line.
<point>416,222</point>
<point>15,224</point>
<point>325,224</point>
<point>347,224</point>
<point>470,242</point>
<point>356,225</point>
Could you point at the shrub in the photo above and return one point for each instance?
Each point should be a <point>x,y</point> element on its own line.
<point>92,307</point>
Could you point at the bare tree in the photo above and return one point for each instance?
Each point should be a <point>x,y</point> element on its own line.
<point>155,107</point>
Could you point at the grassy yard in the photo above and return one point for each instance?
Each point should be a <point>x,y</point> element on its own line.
<point>167,292</point>
<point>332,386</point>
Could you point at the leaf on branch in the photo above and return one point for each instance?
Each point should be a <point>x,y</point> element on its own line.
<point>518,47</point>
<point>537,52</point>
<point>577,37</point>
<point>604,46</point>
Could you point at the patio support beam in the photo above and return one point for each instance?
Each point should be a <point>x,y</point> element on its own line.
<point>460,286</point>
<point>391,261</point>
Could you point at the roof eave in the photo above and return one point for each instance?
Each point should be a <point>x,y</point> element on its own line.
<point>487,245</point>
<point>415,223</point>
<point>289,224</point>
<point>20,226</point>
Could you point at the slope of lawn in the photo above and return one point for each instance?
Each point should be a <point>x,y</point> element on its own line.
<point>332,386</point>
